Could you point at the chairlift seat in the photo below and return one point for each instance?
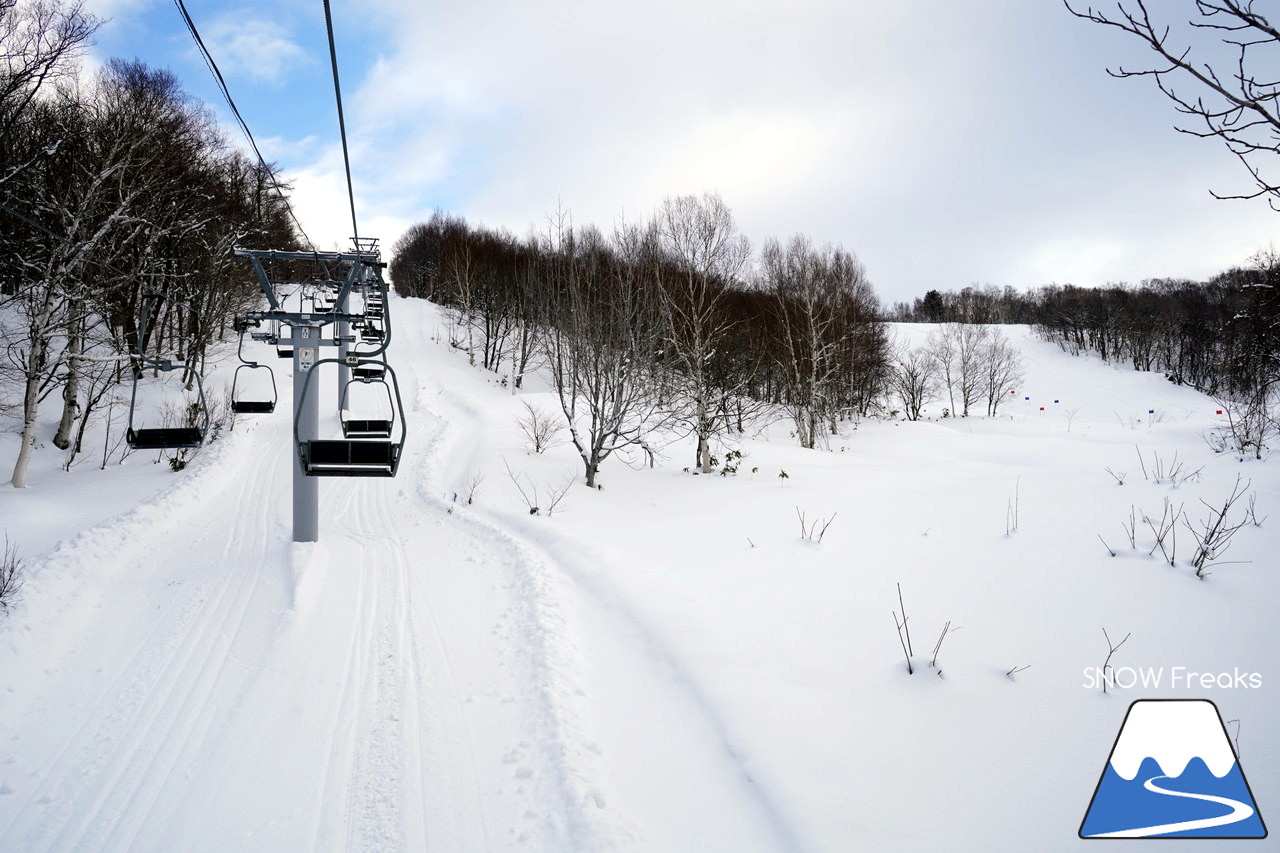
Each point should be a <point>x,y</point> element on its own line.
<point>334,458</point>
<point>284,353</point>
<point>368,373</point>
<point>239,404</point>
<point>168,438</point>
<point>366,429</point>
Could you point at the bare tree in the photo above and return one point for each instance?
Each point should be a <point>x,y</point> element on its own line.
<point>942,350</point>
<point>959,351</point>
<point>819,298</point>
<point>700,238</point>
<point>539,428</point>
<point>915,381</point>
<point>41,40</point>
<point>599,346</point>
<point>137,187</point>
<point>1002,369</point>
<point>971,350</point>
<point>1234,96</point>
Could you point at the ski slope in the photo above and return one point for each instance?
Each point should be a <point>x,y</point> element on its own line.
<point>662,665</point>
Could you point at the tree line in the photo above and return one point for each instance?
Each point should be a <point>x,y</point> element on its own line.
<point>1216,336</point>
<point>667,324</point>
<point>112,186</point>
<point>1220,336</point>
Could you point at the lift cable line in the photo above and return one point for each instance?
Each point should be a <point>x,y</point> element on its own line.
<point>226,93</point>
<point>342,124</point>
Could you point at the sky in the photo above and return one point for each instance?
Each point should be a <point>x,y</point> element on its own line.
<point>947,144</point>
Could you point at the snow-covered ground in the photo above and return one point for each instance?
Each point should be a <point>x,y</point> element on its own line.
<point>663,664</point>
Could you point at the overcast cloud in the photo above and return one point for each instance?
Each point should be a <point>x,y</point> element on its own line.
<point>945,143</point>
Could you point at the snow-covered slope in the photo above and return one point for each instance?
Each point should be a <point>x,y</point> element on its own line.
<point>662,665</point>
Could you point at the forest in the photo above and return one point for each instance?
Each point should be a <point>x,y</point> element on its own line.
<point>112,185</point>
<point>1220,336</point>
<point>668,324</point>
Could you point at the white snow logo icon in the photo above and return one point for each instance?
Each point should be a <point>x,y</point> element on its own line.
<point>1172,774</point>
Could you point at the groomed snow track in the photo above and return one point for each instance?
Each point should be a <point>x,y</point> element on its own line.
<point>393,687</point>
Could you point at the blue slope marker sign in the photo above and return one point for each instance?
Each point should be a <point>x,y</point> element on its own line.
<point>1172,774</point>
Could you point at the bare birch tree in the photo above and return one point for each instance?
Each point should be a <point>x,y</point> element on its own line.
<point>1002,370</point>
<point>815,292</point>
<point>698,234</point>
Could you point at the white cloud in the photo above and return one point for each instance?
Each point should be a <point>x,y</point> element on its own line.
<point>257,49</point>
<point>111,9</point>
<point>977,141</point>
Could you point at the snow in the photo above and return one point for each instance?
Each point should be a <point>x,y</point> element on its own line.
<point>662,665</point>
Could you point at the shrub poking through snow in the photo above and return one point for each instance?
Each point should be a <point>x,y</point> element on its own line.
<point>732,459</point>
<point>10,575</point>
<point>1112,648</point>
<point>812,532</point>
<point>1214,535</point>
<point>539,427</point>
<point>1011,510</point>
<point>946,629</point>
<point>543,501</point>
<point>904,632</point>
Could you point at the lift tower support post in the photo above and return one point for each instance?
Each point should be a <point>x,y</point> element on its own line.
<point>306,490</point>
<point>306,330</point>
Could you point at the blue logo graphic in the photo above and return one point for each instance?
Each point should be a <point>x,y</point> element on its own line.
<point>1172,774</point>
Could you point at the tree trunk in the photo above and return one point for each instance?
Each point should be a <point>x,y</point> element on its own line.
<point>70,390</point>
<point>30,407</point>
<point>704,435</point>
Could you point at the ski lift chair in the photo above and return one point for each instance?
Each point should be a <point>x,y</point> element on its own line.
<point>351,456</point>
<point>376,372</point>
<point>239,404</point>
<point>166,438</point>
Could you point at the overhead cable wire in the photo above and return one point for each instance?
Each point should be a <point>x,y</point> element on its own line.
<point>342,125</point>
<point>226,93</point>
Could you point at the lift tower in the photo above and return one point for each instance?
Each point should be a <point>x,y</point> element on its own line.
<point>331,323</point>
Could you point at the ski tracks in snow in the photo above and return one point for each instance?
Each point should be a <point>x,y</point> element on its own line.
<point>391,692</point>
<point>414,681</point>
<point>666,724</point>
<point>99,790</point>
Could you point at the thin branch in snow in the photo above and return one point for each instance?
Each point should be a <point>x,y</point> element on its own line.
<point>1112,648</point>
